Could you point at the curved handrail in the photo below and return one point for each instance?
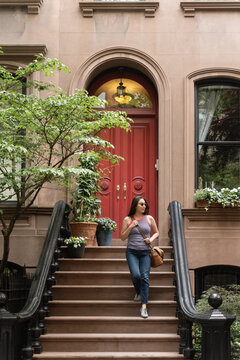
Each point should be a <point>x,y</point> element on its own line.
<point>45,260</point>
<point>183,283</point>
<point>215,323</point>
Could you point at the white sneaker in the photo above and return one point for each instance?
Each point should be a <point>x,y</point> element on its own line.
<point>143,313</point>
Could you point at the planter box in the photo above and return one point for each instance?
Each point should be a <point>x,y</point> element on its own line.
<point>204,203</point>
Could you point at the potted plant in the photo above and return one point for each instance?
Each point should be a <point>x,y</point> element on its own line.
<point>85,199</point>
<point>76,246</point>
<point>211,197</point>
<point>105,229</point>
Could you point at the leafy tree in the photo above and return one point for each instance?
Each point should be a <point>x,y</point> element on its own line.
<point>41,135</point>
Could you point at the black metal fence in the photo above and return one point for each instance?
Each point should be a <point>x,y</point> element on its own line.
<point>16,284</point>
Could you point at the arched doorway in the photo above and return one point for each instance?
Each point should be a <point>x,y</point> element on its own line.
<point>137,174</point>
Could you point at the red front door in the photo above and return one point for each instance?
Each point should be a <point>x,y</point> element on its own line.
<point>136,175</point>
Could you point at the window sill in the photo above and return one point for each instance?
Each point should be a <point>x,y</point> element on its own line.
<point>32,5</point>
<point>23,50</point>
<point>191,7</point>
<point>88,7</point>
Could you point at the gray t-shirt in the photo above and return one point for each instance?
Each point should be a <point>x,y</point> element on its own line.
<point>135,239</point>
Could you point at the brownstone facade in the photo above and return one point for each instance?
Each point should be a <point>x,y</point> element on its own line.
<point>174,44</point>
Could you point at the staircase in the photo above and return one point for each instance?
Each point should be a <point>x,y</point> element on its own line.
<point>93,315</point>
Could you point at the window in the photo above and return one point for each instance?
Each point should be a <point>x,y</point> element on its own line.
<point>215,275</point>
<point>126,93</point>
<point>218,134</point>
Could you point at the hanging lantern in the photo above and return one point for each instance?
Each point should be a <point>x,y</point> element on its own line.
<point>121,96</point>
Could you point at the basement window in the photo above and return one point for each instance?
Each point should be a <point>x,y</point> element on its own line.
<point>209,276</point>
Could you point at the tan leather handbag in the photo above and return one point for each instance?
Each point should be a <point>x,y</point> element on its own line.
<point>156,254</point>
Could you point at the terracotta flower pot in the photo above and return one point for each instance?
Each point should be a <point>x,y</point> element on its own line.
<point>87,229</point>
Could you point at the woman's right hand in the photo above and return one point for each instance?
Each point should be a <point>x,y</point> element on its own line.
<point>126,227</point>
<point>134,223</point>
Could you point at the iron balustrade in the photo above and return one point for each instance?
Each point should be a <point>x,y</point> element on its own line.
<point>31,318</point>
<point>215,323</point>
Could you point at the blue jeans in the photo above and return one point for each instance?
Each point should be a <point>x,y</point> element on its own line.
<point>139,266</point>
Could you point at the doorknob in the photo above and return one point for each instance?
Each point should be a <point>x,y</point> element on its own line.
<point>124,191</point>
<point>118,189</point>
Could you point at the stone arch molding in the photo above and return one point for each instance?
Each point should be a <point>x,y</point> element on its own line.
<point>134,58</point>
<point>116,56</point>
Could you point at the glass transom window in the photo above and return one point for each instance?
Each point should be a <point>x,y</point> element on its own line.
<point>124,93</point>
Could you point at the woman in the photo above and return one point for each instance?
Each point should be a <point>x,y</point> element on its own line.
<point>138,248</point>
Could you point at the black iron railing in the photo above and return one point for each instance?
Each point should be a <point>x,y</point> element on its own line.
<point>30,320</point>
<point>215,323</point>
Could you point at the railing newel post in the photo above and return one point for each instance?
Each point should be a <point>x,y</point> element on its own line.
<point>7,324</point>
<point>216,343</point>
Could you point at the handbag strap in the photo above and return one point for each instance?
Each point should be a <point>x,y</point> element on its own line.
<point>142,233</point>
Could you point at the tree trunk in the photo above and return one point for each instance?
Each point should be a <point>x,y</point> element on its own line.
<point>6,239</point>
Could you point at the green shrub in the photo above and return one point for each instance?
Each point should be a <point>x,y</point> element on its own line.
<point>231,304</point>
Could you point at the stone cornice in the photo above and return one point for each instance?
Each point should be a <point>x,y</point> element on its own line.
<point>88,7</point>
<point>9,209</point>
<point>23,50</point>
<point>190,7</point>
<point>32,5</point>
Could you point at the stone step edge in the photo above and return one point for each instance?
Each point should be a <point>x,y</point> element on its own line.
<point>109,355</point>
<point>113,260</point>
<point>111,318</point>
<point>170,287</point>
<point>110,302</point>
<point>113,336</point>
<point>103,272</point>
<point>120,247</point>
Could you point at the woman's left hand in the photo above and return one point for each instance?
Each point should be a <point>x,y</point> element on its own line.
<point>147,241</point>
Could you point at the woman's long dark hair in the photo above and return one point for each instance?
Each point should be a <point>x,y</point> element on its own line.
<point>134,206</point>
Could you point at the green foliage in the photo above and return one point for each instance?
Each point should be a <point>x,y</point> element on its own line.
<point>76,241</point>
<point>40,136</point>
<point>106,224</point>
<point>46,133</point>
<point>85,197</point>
<point>231,305</point>
<point>225,196</point>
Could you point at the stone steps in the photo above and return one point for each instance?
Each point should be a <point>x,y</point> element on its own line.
<point>109,308</point>
<point>101,264</point>
<point>93,315</point>
<point>109,356</point>
<point>107,278</point>
<point>108,292</point>
<point>110,342</point>
<point>111,324</point>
